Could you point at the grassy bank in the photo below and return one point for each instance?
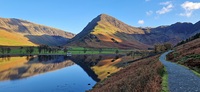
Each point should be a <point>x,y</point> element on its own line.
<point>187,54</point>
<point>140,76</point>
<point>165,87</point>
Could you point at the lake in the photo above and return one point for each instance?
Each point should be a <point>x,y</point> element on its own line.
<point>56,73</point>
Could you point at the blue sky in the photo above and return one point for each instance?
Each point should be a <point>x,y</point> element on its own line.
<point>74,15</point>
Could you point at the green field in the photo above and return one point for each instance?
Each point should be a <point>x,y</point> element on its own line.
<point>60,51</point>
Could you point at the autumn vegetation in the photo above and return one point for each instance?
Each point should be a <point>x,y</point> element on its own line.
<point>162,47</point>
<point>140,76</point>
<point>196,36</point>
<point>187,54</point>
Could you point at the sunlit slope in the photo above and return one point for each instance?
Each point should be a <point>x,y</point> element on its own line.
<point>13,39</point>
<point>35,33</point>
<point>107,32</point>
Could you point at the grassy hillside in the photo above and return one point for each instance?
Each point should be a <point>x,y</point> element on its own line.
<point>13,39</point>
<point>187,54</point>
<point>29,28</point>
<point>35,33</point>
<point>140,76</point>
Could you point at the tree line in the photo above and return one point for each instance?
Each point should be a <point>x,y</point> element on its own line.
<point>162,47</point>
<point>189,39</point>
<point>4,50</point>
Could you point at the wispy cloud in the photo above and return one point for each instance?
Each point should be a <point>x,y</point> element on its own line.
<point>141,22</point>
<point>189,7</point>
<point>165,3</point>
<point>149,13</point>
<point>147,0</point>
<point>167,7</point>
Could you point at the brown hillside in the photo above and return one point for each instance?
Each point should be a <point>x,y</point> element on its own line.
<point>187,54</point>
<point>140,76</point>
<point>29,28</point>
<point>35,33</point>
<point>13,39</point>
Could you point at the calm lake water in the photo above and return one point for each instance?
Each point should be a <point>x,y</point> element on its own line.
<point>69,79</point>
<point>54,73</point>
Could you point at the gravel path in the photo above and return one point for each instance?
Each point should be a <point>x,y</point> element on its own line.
<point>180,79</point>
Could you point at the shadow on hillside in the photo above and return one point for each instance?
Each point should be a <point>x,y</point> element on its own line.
<point>47,40</point>
<point>95,41</point>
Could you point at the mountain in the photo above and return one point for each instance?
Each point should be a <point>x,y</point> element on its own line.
<point>105,31</point>
<point>35,33</point>
<point>171,34</point>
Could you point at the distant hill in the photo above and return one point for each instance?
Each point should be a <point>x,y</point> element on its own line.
<point>35,33</point>
<point>172,34</point>
<point>105,31</point>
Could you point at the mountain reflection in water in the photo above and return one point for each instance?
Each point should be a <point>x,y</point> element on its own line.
<point>97,67</point>
<point>17,67</point>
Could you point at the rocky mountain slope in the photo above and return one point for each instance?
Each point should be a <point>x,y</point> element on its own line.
<point>105,31</point>
<point>37,34</point>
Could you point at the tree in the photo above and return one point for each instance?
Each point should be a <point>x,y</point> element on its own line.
<point>117,51</point>
<point>162,47</point>
<point>100,50</point>
<point>39,49</point>
<point>84,50</point>
<point>21,49</point>
<point>156,48</point>
<point>31,50</point>
<point>8,50</point>
<point>27,50</point>
<point>65,50</point>
<point>168,46</point>
<point>50,50</point>
<point>2,50</point>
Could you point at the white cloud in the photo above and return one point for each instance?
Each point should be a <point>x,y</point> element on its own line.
<point>149,13</point>
<point>189,7</point>
<point>167,7</point>
<point>165,3</point>
<point>141,22</point>
<point>187,13</point>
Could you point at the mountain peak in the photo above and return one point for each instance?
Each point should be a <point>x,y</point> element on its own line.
<point>104,16</point>
<point>108,18</point>
<point>107,31</point>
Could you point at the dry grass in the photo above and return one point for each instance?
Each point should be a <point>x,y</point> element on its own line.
<point>13,39</point>
<point>187,54</point>
<point>141,76</point>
